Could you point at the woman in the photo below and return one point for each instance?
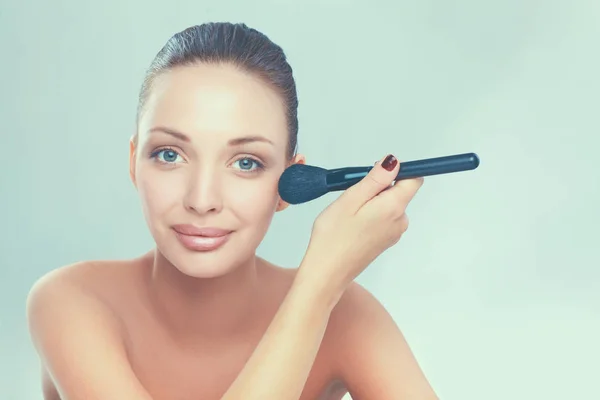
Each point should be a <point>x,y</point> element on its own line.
<point>201,316</point>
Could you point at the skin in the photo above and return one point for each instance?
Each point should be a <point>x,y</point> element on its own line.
<point>179,324</point>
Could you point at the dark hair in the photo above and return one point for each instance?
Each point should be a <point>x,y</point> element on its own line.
<point>236,44</point>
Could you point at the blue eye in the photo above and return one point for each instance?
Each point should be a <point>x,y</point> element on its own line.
<point>246,164</point>
<point>165,156</point>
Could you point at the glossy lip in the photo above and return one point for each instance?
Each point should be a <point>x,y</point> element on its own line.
<point>191,230</point>
<point>201,239</point>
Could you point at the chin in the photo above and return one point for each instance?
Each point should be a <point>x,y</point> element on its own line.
<point>203,271</point>
<point>202,265</point>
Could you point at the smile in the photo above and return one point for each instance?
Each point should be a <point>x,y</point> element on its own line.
<point>201,239</point>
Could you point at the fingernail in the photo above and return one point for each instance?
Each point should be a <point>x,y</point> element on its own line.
<point>389,163</point>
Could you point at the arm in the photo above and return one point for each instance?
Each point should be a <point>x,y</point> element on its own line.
<point>374,360</point>
<point>280,365</point>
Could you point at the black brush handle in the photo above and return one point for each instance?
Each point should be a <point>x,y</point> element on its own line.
<point>343,178</point>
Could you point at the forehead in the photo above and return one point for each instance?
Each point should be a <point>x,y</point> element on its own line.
<point>217,101</point>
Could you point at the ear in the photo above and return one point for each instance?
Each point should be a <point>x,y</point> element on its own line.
<point>132,154</point>
<point>298,159</point>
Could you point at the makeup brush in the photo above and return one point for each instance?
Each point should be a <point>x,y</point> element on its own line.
<point>301,183</point>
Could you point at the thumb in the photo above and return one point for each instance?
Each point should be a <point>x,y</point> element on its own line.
<point>379,178</point>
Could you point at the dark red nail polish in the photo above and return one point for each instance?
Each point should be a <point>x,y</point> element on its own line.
<point>389,163</point>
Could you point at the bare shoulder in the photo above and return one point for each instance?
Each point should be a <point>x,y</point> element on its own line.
<point>369,351</point>
<point>80,288</point>
<point>357,315</point>
<point>70,296</point>
<point>72,323</point>
<point>355,320</point>
<point>356,302</point>
<point>90,276</point>
<point>100,281</point>
<point>66,284</point>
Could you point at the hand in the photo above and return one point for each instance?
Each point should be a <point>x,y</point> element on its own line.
<point>362,223</point>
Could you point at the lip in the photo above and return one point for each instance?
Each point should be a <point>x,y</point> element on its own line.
<point>191,230</point>
<point>201,239</point>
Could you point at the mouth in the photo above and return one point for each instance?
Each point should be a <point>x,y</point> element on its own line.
<point>201,239</point>
<point>210,232</point>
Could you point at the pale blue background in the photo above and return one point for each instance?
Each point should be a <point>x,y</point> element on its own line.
<point>496,283</point>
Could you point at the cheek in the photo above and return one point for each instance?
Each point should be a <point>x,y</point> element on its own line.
<point>254,201</point>
<point>158,190</point>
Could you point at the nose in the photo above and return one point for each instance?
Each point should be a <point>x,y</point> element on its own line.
<point>204,193</point>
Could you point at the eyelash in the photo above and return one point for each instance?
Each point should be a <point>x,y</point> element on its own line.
<point>154,155</point>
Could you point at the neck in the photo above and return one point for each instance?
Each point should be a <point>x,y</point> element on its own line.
<point>211,309</point>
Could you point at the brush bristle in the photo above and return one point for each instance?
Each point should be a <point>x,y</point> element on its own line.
<point>300,183</point>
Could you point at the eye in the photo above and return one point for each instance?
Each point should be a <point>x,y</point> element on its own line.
<point>166,156</point>
<point>245,164</point>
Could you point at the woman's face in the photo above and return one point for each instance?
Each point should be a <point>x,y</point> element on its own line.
<point>211,147</point>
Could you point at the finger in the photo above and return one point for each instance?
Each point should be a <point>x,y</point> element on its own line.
<point>400,194</point>
<point>379,178</point>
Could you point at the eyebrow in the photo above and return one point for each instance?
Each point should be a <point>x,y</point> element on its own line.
<point>232,142</point>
